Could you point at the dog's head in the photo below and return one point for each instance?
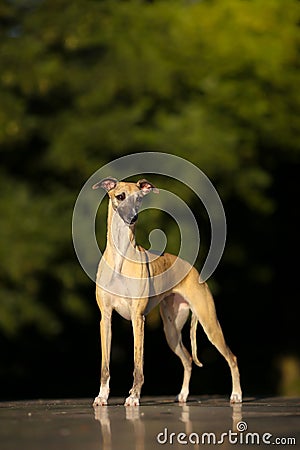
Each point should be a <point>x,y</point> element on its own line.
<point>126,198</point>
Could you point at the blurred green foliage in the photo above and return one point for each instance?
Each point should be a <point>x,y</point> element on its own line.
<point>83,82</point>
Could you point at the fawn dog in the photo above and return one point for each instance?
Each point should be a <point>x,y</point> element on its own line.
<point>127,261</point>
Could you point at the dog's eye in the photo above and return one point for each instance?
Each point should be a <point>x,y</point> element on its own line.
<point>120,197</point>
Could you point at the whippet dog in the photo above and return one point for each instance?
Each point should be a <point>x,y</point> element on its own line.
<point>126,282</point>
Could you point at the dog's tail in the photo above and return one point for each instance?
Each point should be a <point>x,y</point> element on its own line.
<point>193,331</point>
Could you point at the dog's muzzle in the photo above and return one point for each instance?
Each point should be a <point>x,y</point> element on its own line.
<point>128,219</point>
<point>128,211</point>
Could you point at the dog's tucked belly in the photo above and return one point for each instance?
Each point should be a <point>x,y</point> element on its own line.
<point>122,306</point>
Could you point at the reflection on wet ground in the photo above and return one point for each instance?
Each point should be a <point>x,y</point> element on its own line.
<point>203,422</point>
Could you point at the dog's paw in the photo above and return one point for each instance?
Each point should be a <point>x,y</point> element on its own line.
<point>100,401</point>
<point>132,401</point>
<point>182,397</point>
<point>236,398</point>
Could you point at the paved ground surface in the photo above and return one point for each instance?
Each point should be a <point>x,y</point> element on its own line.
<point>157,423</point>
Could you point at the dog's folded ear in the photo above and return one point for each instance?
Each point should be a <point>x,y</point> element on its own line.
<point>145,186</point>
<point>107,183</point>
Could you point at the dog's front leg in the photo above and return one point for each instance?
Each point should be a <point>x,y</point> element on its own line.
<point>138,376</point>
<point>105,331</point>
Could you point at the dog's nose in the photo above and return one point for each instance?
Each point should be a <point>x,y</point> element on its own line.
<point>134,219</point>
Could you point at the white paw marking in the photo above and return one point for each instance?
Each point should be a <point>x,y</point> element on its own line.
<point>132,401</point>
<point>181,398</point>
<point>100,401</point>
<point>236,398</point>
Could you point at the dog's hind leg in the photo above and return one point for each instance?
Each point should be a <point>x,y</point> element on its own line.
<point>174,311</point>
<point>202,304</point>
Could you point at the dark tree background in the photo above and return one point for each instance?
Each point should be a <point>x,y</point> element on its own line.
<point>87,81</point>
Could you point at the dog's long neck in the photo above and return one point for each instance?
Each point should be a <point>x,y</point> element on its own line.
<point>121,243</point>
